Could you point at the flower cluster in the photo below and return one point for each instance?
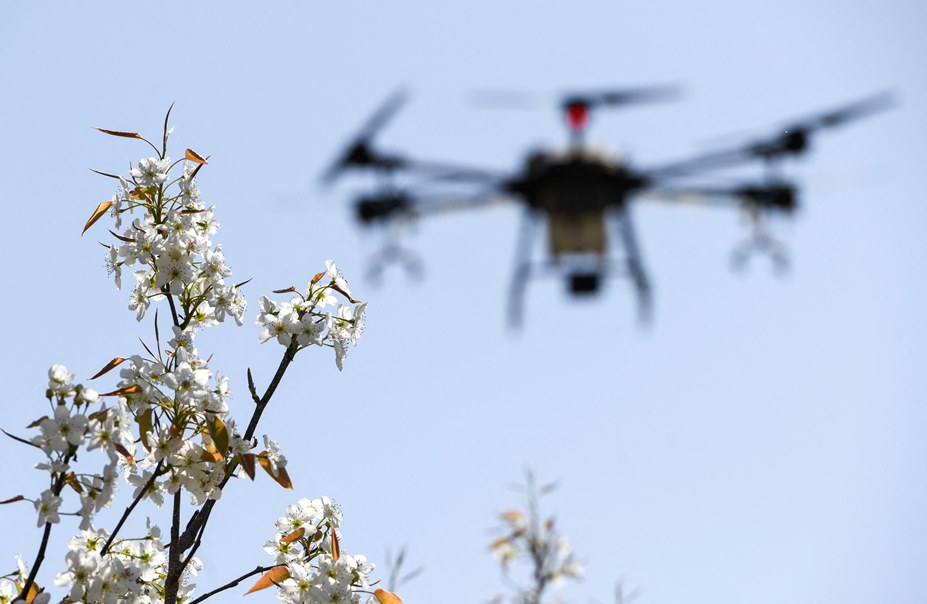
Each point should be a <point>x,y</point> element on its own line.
<point>311,568</point>
<point>131,570</point>
<point>303,320</point>
<point>170,244</point>
<point>78,419</point>
<point>529,538</point>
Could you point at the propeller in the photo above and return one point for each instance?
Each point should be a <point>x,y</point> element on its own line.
<point>519,99</point>
<point>793,138</point>
<point>359,152</point>
<point>620,96</point>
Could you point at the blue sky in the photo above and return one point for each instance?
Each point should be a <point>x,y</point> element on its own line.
<point>762,442</point>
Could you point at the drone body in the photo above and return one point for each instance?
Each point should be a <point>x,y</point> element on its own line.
<point>580,198</point>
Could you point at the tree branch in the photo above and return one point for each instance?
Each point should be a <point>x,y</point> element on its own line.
<point>135,502</point>
<point>234,582</point>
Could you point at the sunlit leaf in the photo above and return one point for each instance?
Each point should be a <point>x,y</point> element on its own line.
<point>336,548</point>
<point>247,462</point>
<point>289,289</point>
<point>317,277</point>
<point>71,480</point>
<point>143,420</point>
<point>195,157</point>
<point>101,209</point>
<point>143,192</point>
<point>122,134</point>
<point>125,453</point>
<point>219,434</point>
<point>109,366</point>
<point>294,536</point>
<point>131,389</point>
<point>34,591</point>
<point>12,500</point>
<point>210,453</point>
<point>282,478</point>
<point>387,597</point>
<point>98,416</point>
<point>271,578</point>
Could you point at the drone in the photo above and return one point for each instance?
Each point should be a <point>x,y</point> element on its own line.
<point>579,198</point>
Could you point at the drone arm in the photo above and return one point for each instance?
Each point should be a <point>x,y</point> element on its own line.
<point>451,173</point>
<point>774,196</point>
<point>709,161</point>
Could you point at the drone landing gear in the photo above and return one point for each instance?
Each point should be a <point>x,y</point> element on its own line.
<point>760,242</point>
<point>393,252</point>
<point>635,265</point>
<point>581,282</point>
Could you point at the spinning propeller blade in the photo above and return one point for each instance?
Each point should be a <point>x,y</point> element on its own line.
<point>358,151</point>
<point>622,96</point>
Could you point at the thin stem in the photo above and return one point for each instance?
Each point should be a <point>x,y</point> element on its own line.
<point>234,582</point>
<point>170,302</point>
<point>172,582</point>
<point>288,357</point>
<point>125,515</point>
<point>40,556</point>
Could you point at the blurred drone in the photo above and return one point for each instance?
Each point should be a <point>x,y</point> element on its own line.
<point>580,198</point>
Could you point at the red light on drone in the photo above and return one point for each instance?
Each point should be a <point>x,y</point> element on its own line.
<point>577,116</point>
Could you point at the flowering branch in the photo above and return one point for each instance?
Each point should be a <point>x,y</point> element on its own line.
<point>169,429</point>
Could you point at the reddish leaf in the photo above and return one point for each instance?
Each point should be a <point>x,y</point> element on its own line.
<point>211,454</point>
<point>120,237</point>
<point>71,480</point>
<point>247,462</point>
<point>282,478</point>
<point>131,389</point>
<point>238,285</point>
<point>269,579</point>
<point>101,209</point>
<point>294,536</point>
<point>387,597</point>
<point>34,591</point>
<point>345,294</point>
<point>12,500</point>
<point>317,277</point>
<point>195,157</point>
<point>125,453</point>
<point>289,289</point>
<point>99,416</point>
<point>37,422</point>
<point>122,134</point>
<point>109,366</point>
<point>336,549</point>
